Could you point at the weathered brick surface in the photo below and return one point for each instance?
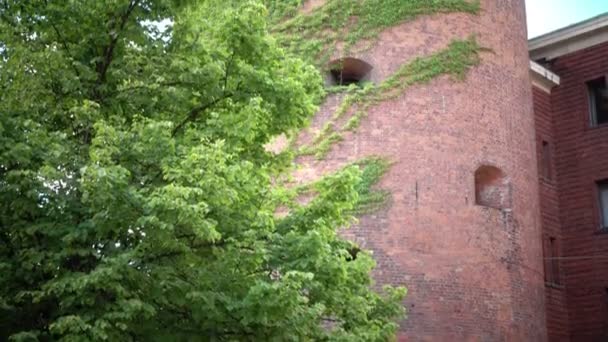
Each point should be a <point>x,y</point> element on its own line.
<point>555,293</point>
<point>580,161</point>
<point>474,273</point>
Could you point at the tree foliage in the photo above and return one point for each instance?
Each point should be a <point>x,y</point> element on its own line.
<point>136,195</point>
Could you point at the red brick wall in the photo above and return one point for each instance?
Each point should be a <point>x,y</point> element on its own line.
<point>474,273</point>
<point>581,159</point>
<point>555,293</point>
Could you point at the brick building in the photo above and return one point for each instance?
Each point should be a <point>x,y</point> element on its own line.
<point>498,220</point>
<point>462,229</point>
<point>570,96</point>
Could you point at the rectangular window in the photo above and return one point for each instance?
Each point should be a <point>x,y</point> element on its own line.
<point>552,261</point>
<point>598,101</point>
<point>547,261</point>
<point>602,188</point>
<point>546,161</point>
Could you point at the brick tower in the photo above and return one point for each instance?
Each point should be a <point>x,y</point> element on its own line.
<point>461,229</point>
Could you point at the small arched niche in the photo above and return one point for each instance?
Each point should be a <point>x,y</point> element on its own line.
<point>348,70</point>
<point>492,188</point>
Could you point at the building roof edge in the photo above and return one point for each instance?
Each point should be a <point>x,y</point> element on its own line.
<point>543,77</point>
<point>570,38</point>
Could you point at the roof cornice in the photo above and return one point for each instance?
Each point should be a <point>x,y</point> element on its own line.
<point>570,39</point>
<point>542,77</point>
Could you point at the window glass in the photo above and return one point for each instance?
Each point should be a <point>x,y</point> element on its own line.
<point>603,194</point>
<point>546,161</point>
<point>598,101</point>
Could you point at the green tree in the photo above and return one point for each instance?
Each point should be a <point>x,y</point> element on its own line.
<point>137,200</point>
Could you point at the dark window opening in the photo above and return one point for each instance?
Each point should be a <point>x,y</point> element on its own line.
<point>492,188</point>
<point>552,261</point>
<point>546,262</point>
<point>347,71</point>
<point>546,161</point>
<point>598,101</point>
<point>602,188</point>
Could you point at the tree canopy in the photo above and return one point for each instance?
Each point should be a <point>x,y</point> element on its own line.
<point>137,199</point>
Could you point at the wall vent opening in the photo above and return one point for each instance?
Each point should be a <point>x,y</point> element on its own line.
<point>492,188</point>
<point>347,71</point>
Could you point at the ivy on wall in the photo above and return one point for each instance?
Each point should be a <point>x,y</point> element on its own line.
<point>456,60</point>
<point>370,170</point>
<point>355,25</point>
<point>346,23</point>
<point>370,200</point>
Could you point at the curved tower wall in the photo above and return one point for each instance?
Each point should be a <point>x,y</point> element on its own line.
<point>473,272</point>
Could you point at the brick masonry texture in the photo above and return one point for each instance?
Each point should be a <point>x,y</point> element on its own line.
<point>474,273</point>
<point>557,314</point>
<point>578,310</point>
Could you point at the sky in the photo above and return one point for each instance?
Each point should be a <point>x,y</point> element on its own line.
<point>548,15</point>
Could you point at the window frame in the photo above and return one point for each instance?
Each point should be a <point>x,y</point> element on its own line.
<point>552,267</point>
<point>591,100</point>
<point>546,161</point>
<point>601,187</point>
<point>555,269</point>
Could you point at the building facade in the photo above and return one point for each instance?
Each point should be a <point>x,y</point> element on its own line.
<point>462,230</point>
<point>571,116</point>
<point>498,218</point>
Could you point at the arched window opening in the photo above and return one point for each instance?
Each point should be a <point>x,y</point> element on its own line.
<point>492,188</point>
<point>347,71</point>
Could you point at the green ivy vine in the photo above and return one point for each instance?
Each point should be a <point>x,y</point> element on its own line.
<point>456,60</point>
<point>371,169</point>
<point>355,25</point>
<point>346,23</point>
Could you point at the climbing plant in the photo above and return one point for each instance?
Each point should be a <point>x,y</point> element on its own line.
<point>371,169</point>
<point>455,60</point>
<point>342,25</point>
<point>370,199</point>
<point>137,199</point>
<point>346,23</point>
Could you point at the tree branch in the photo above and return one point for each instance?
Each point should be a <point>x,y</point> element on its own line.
<point>66,47</point>
<point>148,87</point>
<point>192,116</point>
<point>64,43</point>
<point>227,71</point>
<point>177,253</point>
<point>196,111</point>
<point>104,65</point>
